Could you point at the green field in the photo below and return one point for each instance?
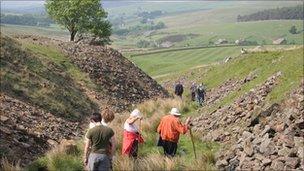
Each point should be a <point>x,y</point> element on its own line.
<point>170,62</point>
<point>54,31</point>
<point>173,62</point>
<point>215,22</point>
<point>208,21</point>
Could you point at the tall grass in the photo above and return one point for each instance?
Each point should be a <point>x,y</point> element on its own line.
<point>7,166</point>
<point>150,156</point>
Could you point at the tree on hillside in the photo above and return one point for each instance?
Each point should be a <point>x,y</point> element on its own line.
<point>293,30</point>
<point>81,16</point>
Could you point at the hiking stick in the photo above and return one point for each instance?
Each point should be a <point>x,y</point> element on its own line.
<point>191,135</point>
<point>139,134</point>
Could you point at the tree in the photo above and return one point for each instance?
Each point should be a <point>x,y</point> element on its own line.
<point>293,30</point>
<point>81,16</point>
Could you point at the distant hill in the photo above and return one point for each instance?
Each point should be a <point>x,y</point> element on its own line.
<point>285,13</point>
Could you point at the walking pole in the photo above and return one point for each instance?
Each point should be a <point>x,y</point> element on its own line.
<point>191,135</point>
<point>139,133</point>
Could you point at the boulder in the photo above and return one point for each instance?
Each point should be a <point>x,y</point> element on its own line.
<point>266,162</point>
<point>3,118</point>
<point>292,162</point>
<point>221,163</point>
<point>285,151</point>
<point>248,147</point>
<point>277,165</point>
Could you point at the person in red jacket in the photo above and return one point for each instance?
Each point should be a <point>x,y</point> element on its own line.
<point>131,135</point>
<point>169,129</point>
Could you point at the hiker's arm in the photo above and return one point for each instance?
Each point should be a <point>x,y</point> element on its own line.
<point>86,150</point>
<point>159,127</point>
<point>132,120</point>
<point>182,128</point>
<point>113,142</point>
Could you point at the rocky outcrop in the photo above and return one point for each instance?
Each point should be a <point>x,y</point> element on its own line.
<point>27,131</point>
<point>218,93</point>
<point>256,136</point>
<point>121,82</point>
<point>124,83</point>
<point>241,110</point>
<point>273,141</point>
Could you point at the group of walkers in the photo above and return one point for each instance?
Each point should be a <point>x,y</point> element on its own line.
<point>100,143</point>
<point>198,92</point>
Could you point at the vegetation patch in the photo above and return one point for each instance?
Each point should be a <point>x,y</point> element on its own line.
<point>43,80</point>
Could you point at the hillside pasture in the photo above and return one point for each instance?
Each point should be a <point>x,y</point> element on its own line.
<point>170,62</point>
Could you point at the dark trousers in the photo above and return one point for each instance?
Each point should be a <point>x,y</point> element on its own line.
<point>200,100</point>
<point>193,96</point>
<point>169,148</point>
<point>134,149</point>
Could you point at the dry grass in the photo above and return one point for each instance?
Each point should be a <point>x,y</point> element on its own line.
<point>152,111</point>
<point>7,166</point>
<point>150,156</point>
<point>159,162</point>
<point>152,159</point>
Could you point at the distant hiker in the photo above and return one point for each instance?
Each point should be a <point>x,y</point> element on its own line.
<point>131,135</point>
<point>193,91</point>
<point>179,89</point>
<point>201,92</point>
<point>169,129</point>
<point>243,51</point>
<point>98,139</point>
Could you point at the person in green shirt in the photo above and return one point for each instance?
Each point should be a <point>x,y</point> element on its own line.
<point>98,142</point>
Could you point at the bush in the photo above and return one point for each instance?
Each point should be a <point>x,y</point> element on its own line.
<point>293,30</point>
<point>143,44</point>
<point>58,159</point>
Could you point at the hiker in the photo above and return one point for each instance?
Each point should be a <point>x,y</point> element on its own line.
<point>131,135</point>
<point>169,129</point>
<point>107,117</point>
<point>200,94</point>
<point>179,89</point>
<point>193,91</point>
<point>243,51</point>
<point>98,140</point>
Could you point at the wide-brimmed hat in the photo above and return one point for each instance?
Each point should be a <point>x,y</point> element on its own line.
<point>175,111</point>
<point>135,112</point>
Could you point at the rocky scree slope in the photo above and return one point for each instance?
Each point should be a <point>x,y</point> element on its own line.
<point>42,102</point>
<point>27,131</point>
<point>256,136</point>
<point>121,82</point>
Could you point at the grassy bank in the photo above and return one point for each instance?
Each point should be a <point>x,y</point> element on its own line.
<point>44,77</point>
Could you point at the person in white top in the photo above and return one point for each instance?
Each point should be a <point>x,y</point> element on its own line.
<point>131,136</point>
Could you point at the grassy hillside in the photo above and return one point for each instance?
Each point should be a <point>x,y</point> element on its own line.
<point>263,64</point>
<point>44,77</point>
<point>168,63</point>
<point>220,22</point>
<point>53,31</point>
